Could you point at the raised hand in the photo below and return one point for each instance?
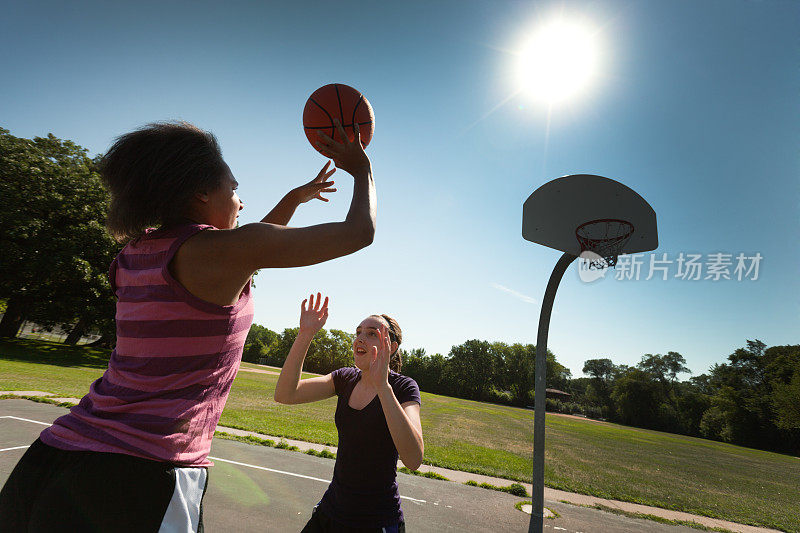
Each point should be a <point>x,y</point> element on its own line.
<point>314,315</point>
<point>317,186</point>
<point>347,155</point>
<point>378,374</point>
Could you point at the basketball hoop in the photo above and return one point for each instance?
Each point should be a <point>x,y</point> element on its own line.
<point>553,216</point>
<point>604,237</point>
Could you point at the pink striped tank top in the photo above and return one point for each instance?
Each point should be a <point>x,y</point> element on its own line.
<point>173,365</point>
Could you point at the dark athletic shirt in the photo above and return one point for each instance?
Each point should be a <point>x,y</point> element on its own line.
<point>363,492</point>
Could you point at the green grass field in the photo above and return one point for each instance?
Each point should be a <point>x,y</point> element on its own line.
<point>608,460</point>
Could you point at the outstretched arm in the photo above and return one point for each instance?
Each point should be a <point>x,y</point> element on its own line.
<point>290,388</point>
<point>230,257</point>
<point>242,251</point>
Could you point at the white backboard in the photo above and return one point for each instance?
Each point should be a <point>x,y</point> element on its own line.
<point>552,213</point>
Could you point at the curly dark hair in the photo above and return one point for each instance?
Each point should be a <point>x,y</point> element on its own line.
<point>153,172</point>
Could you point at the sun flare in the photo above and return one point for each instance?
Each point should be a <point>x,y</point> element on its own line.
<point>558,61</point>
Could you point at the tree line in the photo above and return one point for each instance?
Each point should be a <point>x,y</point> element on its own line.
<point>475,370</point>
<point>752,400</point>
<point>55,254</point>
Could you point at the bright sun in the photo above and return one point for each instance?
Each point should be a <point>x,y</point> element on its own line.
<point>558,61</point>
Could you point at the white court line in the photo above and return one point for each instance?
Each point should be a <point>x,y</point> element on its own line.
<point>292,474</point>
<point>27,420</point>
<point>215,459</point>
<point>15,448</point>
<point>268,469</point>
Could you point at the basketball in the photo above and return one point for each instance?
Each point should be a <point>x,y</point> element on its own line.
<point>342,102</point>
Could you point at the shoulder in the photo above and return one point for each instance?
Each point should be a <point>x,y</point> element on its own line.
<point>246,234</point>
<point>405,388</point>
<point>344,376</point>
<point>237,248</point>
<point>400,380</point>
<point>153,249</point>
<point>171,239</point>
<point>194,239</point>
<point>189,244</point>
<point>346,373</point>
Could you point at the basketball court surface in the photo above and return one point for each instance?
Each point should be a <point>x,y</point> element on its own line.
<point>255,488</point>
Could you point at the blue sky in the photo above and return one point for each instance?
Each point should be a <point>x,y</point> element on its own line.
<point>694,106</point>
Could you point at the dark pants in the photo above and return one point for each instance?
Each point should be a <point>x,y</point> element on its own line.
<point>56,490</point>
<point>322,523</point>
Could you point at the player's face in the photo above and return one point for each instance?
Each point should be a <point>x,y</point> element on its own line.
<point>223,202</point>
<point>367,341</point>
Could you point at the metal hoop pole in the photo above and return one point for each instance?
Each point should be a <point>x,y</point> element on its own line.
<point>537,500</point>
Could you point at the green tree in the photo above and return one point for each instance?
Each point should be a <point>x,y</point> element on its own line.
<point>579,388</point>
<point>258,344</point>
<point>714,425</point>
<point>743,398</point>
<point>519,365</point>
<point>655,365</point>
<point>676,364</point>
<point>786,402</point>
<point>782,370</point>
<point>332,349</point>
<point>56,251</point>
<point>280,348</point>
<point>781,362</point>
<point>436,375</point>
<point>691,402</point>
<point>327,351</point>
<point>701,383</point>
<point>603,372</point>
<point>601,369</point>
<point>558,375</point>
<point>638,396</point>
<point>415,363</point>
<point>474,366</point>
<point>665,367</point>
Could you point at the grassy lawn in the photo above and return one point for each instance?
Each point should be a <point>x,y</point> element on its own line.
<point>608,460</point>
<point>49,367</point>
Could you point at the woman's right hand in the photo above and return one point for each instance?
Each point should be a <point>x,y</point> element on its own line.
<point>314,315</point>
<point>347,155</point>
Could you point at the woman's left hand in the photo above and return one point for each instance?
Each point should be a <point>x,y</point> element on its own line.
<point>317,186</point>
<point>378,374</point>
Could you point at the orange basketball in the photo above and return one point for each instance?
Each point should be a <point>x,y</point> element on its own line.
<point>342,102</point>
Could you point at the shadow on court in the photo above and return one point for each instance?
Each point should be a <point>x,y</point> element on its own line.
<point>254,488</point>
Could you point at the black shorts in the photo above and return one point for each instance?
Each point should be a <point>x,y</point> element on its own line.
<point>57,490</point>
<point>322,523</point>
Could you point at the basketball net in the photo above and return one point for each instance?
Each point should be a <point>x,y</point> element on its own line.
<point>604,237</point>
